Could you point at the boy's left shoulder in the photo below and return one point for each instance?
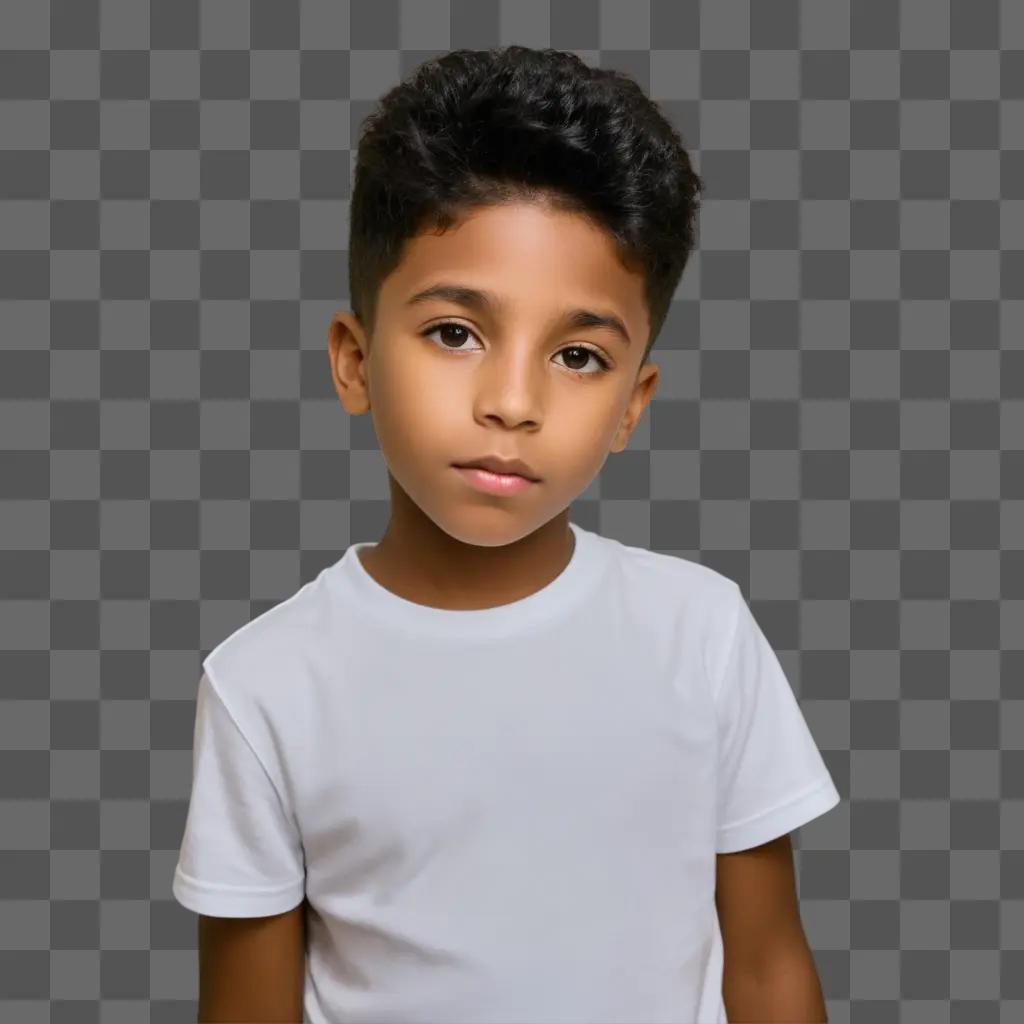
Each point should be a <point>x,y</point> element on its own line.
<point>676,578</point>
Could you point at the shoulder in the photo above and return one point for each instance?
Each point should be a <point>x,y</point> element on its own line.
<point>683,583</point>
<point>262,660</point>
<point>670,596</point>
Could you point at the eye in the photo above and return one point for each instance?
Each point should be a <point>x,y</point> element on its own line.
<point>575,348</point>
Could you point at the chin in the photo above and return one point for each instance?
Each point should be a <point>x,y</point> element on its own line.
<point>493,527</point>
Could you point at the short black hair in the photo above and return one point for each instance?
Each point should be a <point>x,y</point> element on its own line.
<point>472,128</point>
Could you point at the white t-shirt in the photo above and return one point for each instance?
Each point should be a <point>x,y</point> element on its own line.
<point>499,816</point>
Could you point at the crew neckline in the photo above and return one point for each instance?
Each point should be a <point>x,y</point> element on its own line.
<point>385,605</point>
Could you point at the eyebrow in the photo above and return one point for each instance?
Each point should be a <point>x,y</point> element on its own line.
<point>487,302</point>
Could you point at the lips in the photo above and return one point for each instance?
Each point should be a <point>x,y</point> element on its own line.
<point>494,483</point>
<point>495,464</point>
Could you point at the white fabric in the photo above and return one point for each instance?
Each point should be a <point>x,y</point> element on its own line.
<point>498,816</point>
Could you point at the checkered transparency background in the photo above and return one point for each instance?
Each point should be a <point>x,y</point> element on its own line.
<point>839,427</point>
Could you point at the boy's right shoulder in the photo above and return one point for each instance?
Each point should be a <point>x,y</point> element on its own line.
<point>269,656</point>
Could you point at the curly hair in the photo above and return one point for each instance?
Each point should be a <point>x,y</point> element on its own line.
<point>477,127</point>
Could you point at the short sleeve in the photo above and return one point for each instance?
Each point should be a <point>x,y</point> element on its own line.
<point>771,775</point>
<point>241,854</point>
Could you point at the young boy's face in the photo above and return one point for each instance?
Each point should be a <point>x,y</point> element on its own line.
<point>514,380</point>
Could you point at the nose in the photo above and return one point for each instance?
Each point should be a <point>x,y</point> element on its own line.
<point>509,389</point>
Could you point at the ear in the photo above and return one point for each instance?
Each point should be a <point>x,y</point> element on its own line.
<point>643,391</point>
<point>348,350</point>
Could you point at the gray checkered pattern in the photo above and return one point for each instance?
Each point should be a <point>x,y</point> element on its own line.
<point>840,428</point>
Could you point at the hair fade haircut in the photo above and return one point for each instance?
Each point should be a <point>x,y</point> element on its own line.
<point>473,128</point>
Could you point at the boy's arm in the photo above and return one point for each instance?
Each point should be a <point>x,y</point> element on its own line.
<point>252,969</point>
<point>769,971</point>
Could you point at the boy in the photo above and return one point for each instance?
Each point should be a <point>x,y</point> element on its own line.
<point>496,767</point>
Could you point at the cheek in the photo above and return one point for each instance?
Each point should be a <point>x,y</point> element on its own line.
<point>581,434</point>
<point>418,403</point>
<point>589,420</point>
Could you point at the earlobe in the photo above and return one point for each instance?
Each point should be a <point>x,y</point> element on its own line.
<point>625,432</point>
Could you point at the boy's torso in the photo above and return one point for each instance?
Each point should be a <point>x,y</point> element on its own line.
<point>506,823</point>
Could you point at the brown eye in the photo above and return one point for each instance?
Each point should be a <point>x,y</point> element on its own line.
<point>454,328</point>
<point>582,354</point>
<point>450,326</point>
<point>461,332</point>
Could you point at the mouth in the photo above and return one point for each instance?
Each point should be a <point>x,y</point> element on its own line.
<point>501,467</point>
<point>494,483</point>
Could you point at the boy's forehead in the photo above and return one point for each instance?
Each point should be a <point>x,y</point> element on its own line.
<point>523,254</point>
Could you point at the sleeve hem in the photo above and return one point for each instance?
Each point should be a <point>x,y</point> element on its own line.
<point>777,821</point>
<point>235,901</point>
